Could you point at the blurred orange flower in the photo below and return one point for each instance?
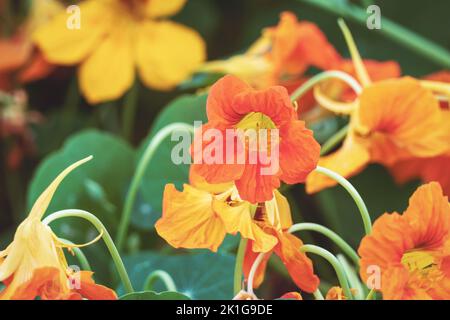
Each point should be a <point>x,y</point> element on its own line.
<point>19,60</point>
<point>34,265</point>
<point>282,54</point>
<point>412,250</point>
<point>233,104</point>
<point>115,37</point>
<point>337,293</point>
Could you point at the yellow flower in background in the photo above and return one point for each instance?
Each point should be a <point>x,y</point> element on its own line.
<point>34,265</point>
<point>115,38</point>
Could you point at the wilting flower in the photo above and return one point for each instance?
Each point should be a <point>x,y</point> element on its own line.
<point>411,250</point>
<point>284,148</point>
<point>34,265</point>
<point>19,60</point>
<point>282,54</point>
<point>390,120</point>
<point>202,214</point>
<point>115,37</point>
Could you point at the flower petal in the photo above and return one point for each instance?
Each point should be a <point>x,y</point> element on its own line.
<point>249,260</point>
<point>62,45</point>
<point>167,53</point>
<point>188,219</point>
<point>92,291</point>
<point>299,152</point>
<point>163,8</point>
<point>109,72</point>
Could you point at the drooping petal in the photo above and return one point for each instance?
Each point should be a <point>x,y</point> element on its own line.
<point>62,45</point>
<point>109,71</point>
<point>167,53</point>
<point>92,291</point>
<point>238,218</point>
<point>299,152</point>
<point>299,266</point>
<point>188,219</point>
<point>163,8</point>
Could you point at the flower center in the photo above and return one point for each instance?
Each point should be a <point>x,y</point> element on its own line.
<point>256,121</point>
<point>418,260</point>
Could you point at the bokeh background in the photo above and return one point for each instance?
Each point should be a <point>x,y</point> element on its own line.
<point>70,129</point>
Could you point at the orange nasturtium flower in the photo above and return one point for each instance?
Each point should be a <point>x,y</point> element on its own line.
<point>34,265</point>
<point>390,120</point>
<point>233,105</point>
<point>115,37</point>
<point>19,61</point>
<point>282,53</point>
<point>202,214</point>
<point>412,250</point>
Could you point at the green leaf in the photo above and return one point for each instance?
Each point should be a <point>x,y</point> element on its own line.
<point>151,295</point>
<point>98,186</point>
<point>198,276</point>
<point>161,170</point>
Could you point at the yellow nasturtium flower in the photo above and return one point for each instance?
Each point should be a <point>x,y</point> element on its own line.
<point>116,37</point>
<point>34,265</point>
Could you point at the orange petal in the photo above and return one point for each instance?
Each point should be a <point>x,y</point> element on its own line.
<point>299,152</point>
<point>298,264</point>
<point>14,52</point>
<point>249,260</point>
<point>188,220</point>
<point>92,291</point>
<point>37,69</point>
<point>292,296</point>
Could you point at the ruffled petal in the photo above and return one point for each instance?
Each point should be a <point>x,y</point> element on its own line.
<point>188,219</point>
<point>167,53</point>
<point>299,152</point>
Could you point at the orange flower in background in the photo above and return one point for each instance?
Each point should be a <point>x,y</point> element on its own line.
<point>337,293</point>
<point>283,53</point>
<point>19,61</point>
<point>412,250</point>
<point>115,38</point>
<point>233,104</point>
<point>390,120</point>
<point>34,265</point>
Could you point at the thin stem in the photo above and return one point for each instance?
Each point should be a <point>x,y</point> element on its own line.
<point>238,266</point>
<point>344,246</point>
<point>324,76</point>
<point>105,236</point>
<point>139,174</point>
<point>81,257</point>
<point>252,273</point>
<point>353,193</point>
<point>129,112</point>
<point>318,295</point>
<point>334,263</point>
<point>352,277</point>
<point>334,140</point>
<point>403,36</point>
<point>160,275</point>
<point>371,295</point>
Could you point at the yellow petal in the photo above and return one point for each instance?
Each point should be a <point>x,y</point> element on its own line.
<point>62,45</point>
<point>109,72</point>
<point>167,53</point>
<point>238,218</point>
<point>163,8</point>
<point>188,220</point>
<point>350,159</point>
<point>42,203</point>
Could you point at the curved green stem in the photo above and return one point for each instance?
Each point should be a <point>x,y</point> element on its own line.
<point>105,236</point>
<point>324,76</point>
<point>353,193</point>
<point>334,140</point>
<point>352,277</point>
<point>161,275</point>
<point>334,263</point>
<point>403,36</point>
<point>318,295</point>
<point>81,257</point>
<point>344,246</point>
<point>238,266</point>
<point>139,174</point>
